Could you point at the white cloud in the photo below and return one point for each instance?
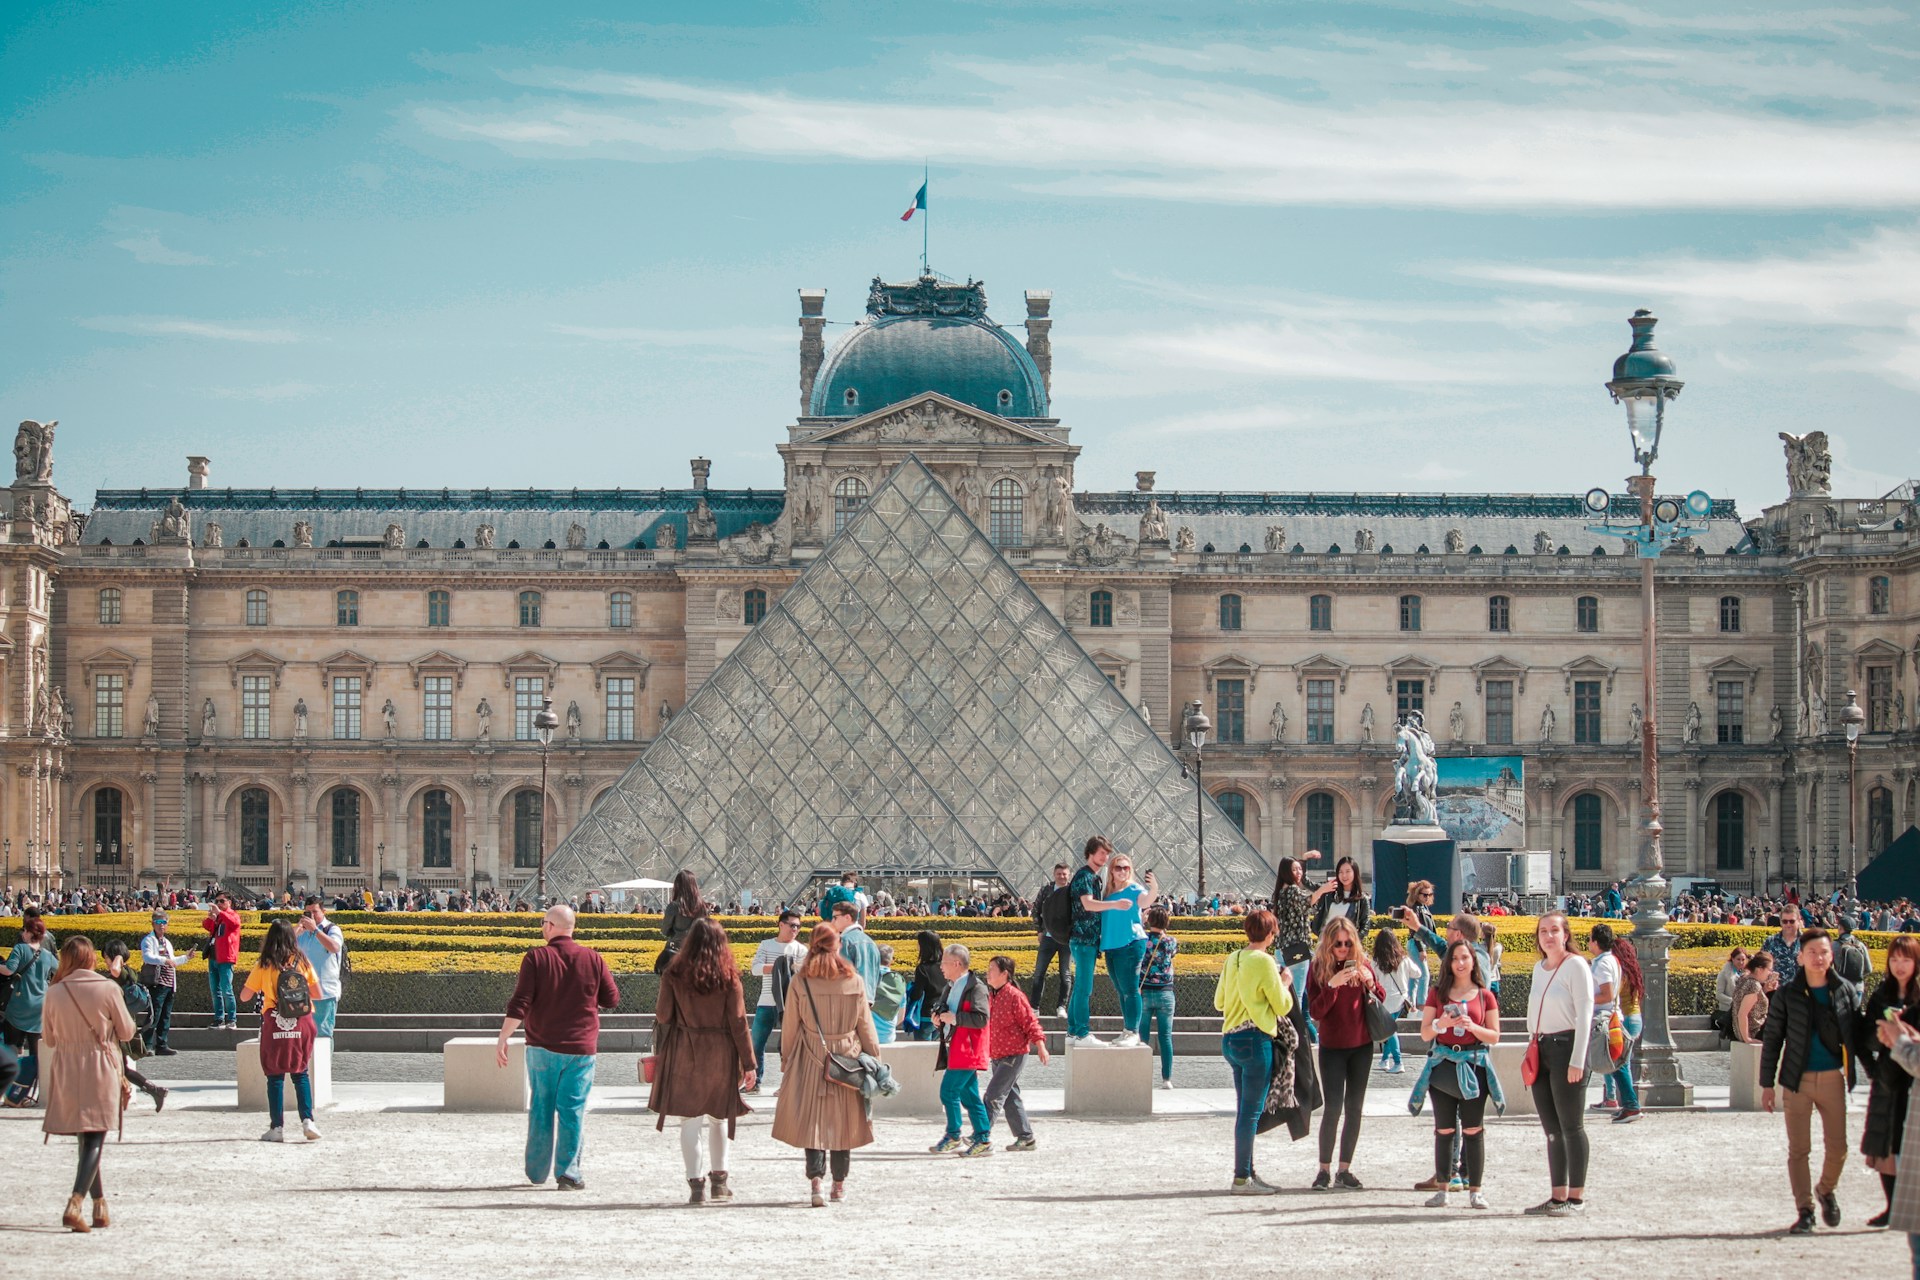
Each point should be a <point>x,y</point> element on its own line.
<point>180,327</point>
<point>147,247</point>
<point>1754,18</point>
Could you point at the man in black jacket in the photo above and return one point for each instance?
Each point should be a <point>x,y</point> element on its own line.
<point>1811,1021</point>
<point>1053,913</point>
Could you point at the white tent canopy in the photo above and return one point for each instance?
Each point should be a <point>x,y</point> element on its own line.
<point>639,884</point>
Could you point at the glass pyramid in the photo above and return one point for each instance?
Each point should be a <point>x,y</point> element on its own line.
<point>909,708</point>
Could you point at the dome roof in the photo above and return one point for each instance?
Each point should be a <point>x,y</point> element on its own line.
<point>929,335</point>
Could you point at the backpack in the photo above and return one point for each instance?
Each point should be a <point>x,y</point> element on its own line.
<point>291,998</point>
<point>1854,962</point>
<point>1056,913</point>
<point>888,995</point>
<point>139,1003</point>
<point>782,974</point>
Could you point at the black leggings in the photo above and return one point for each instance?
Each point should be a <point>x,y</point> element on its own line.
<point>817,1164</point>
<point>1563,1111</point>
<point>86,1179</point>
<point>1343,1078</point>
<point>1450,1116</point>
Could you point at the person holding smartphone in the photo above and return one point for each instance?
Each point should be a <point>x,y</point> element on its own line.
<point>1461,1019</point>
<point>1336,979</point>
<point>322,943</point>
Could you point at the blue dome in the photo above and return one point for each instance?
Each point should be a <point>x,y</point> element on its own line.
<point>928,336</point>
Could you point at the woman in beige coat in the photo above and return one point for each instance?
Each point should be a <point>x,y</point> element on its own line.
<point>826,1000</point>
<point>81,1028</point>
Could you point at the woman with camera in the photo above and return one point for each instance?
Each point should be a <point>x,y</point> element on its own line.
<point>1461,1020</point>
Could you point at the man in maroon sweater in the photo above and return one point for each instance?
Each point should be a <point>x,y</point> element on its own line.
<point>562,988</point>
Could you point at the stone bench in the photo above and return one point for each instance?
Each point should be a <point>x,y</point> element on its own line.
<point>471,1078</point>
<point>1105,1081</point>
<point>1506,1065</point>
<point>251,1081</point>
<point>912,1065</point>
<point>1743,1076</point>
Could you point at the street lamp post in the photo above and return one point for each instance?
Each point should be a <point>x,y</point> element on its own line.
<point>1198,726</point>
<point>1852,718</point>
<point>1644,382</point>
<point>544,723</point>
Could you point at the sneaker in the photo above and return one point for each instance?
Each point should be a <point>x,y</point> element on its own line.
<point>1802,1225</point>
<point>1027,1143</point>
<point>1322,1181</point>
<point>570,1184</point>
<point>1570,1209</point>
<point>949,1143</point>
<point>1252,1187</point>
<point>978,1147</point>
<point>1166,1084</point>
<point>1830,1209</point>
<point>1476,1201</point>
<point>1429,1184</point>
<point>1061,1012</point>
<point>308,1131</point>
<point>1346,1181</point>
<point>1605,1104</point>
<point>1880,1219</point>
<point>1085,1042</point>
<point>165,1051</point>
<point>1259,1181</point>
<point>1438,1200</point>
<point>1628,1116</point>
<point>754,1090</point>
<point>1395,1069</point>
<point>277,1134</point>
<point>1457,1183</point>
<point>1126,1041</point>
<point>1545,1209</point>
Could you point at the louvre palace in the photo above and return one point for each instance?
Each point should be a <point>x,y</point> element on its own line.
<point>929,653</point>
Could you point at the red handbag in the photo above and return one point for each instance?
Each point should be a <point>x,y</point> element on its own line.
<point>1530,1061</point>
<point>649,1063</point>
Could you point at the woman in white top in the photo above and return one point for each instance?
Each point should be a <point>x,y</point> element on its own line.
<point>1400,974</point>
<point>1560,1018</point>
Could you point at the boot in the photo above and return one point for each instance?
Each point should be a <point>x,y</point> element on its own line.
<point>71,1219</point>
<point>100,1218</point>
<point>696,1190</point>
<point>159,1095</point>
<point>721,1192</point>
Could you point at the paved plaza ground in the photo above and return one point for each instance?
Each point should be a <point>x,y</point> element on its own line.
<point>398,1188</point>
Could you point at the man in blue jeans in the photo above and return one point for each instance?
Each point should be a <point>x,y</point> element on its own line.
<point>322,943</point>
<point>766,1014</point>
<point>560,991</point>
<point>1083,943</point>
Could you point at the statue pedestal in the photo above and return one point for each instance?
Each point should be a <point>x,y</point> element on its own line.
<point>1406,852</point>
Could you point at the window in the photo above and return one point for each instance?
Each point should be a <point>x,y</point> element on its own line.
<point>256,827</point>
<point>1729,613</point>
<point>620,708</point>
<point>109,810</point>
<point>528,693</point>
<point>436,829</point>
<point>436,708</point>
<point>1409,696</point>
<point>1100,609</point>
<point>1730,831</point>
<point>1234,805</point>
<point>439,608</point>
<point>110,606</point>
<point>346,608</point>
<point>1586,712</point>
<point>529,608</point>
<point>109,705</point>
<point>1319,711</point>
<point>1879,595</point>
<point>1499,613</point>
<point>1320,613</point>
<point>256,608</point>
<point>256,706</point>
<point>1879,700</point>
<point>1499,712</point>
<point>753,606</point>
<point>620,609</point>
<point>343,833</point>
<point>1586,832</point>
<point>1006,513</point>
<point>1229,612</point>
<point>1586,614</point>
<point>346,707</point>
<point>1409,613</point>
<point>528,817</point>
<point>1730,716</point>
<point>1320,823</point>
<point>1230,710</point>
<point>848,497</point>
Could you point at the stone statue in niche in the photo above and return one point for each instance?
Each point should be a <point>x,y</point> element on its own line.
<point>1776,725</point>
<point>1456,723</point>
<point>573,722</point>
<point>1899,710</point>
<point>33,451</point>
<point>1153,522</point>
<point>390,719</point>
<point>1819,713</point>
<point>65,707</point>
<point>1366,724</point>
<point>1548,723</point>
<point>666,714</point>
<point>300,718</point>
<point>150,723</point>
<point>484,714</point>
<point>483,537</point>
<point>1809,464</point>
<point>208,720</point>
<point>174,524</point>
<point>1277,724</point>
<point>701,525</point>
<point>1636,723</point>
<point>1183,541</point>
<point>1363,540</point>
<point>966,492</point>
<point>1059,499</point>
<point>1146,714</point>
<point>1693,724</point>
<point>1543,543</point>
<point>1456,543</point>
<point>576,537</point>
<point>1276,538</point>
<point>211,535</point>
<point>303,533</point>
<point>395,538</point>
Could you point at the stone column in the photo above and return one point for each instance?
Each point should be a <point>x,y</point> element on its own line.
<point>147,858</point>
<point>813,347</point>
<point>219,858</point>
<point>1039,334</point>
<point>305,844</point>
<point>1695,857</point>
<point>396,851</point>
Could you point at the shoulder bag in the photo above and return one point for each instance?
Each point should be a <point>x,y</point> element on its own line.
<point>843,1069</point>
<point>1381,1025</point>
<point>1530,1061</point>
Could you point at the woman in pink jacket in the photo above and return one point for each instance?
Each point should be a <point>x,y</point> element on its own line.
<point>85,1020</point>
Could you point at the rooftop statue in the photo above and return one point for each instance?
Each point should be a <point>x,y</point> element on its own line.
<point>1809,464</point>
<point>33,451</point>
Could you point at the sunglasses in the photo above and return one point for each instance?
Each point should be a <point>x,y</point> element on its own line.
<point>1343,946</point>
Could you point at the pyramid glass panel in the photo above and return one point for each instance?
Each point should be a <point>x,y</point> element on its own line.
<point>908,708</point>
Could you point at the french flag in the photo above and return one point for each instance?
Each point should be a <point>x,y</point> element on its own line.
<point>919,203</point>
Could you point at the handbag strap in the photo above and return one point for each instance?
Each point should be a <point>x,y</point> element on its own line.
<point>826,1053</point>
<point>1535,1030</point>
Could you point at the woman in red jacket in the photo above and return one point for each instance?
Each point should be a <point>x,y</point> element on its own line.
<point>1012,1030</point>
<point>223,922</point>
<point>961,1015</point>
<point>1335,980</point>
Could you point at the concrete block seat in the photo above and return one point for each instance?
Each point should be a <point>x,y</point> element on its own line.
<point>471,1078</point>
<point>912,1065</point>
<point>1743,1076</point>
<point>1506,1065</point>
<point>1105,1081</point>
<point>251,1081</point>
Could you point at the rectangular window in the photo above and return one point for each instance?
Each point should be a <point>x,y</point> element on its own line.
<point>620,708</point>
<point>256,608</point>
<point>109,706</point>
<point>346,707</point>
<point>620,609</point>
<point>1409,696</point>
<point>1230,710</point>
<point>1586,711</point>
<point>346,608</point>
<point>110,607</point>
<point>529,608</point>
<point>1879,700</point>
<point>1730,719</point>
<point>1586,832</point>
<point>1499,613</point>
<point>1319,711</point>
<point>1320,613</point>
<point>439,608</point>
<point>1586,614</point>
<point>1409,613</point>
<point>256,706</point>
<point>1729,613</point>
<point>436,708</point>
<point>528,693</point>
<point>1499,712</point>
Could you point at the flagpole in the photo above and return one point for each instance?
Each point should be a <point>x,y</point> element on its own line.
<point>925,228</point>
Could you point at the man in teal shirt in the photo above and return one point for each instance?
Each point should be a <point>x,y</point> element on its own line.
<point>864,955</point>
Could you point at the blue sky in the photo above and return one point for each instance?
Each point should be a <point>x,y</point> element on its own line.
<point>1303,246</point>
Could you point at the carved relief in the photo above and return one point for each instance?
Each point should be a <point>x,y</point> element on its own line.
<point>395,538</point>
<point>1183,541</point>
<point>576,537</point>
<point>1276,537</point>
<point>1363,540</point>
<point>483,537</point>
<point>1456,543</point>
<point>303,533</point>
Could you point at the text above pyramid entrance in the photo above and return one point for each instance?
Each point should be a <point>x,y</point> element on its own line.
<point>908,706</point>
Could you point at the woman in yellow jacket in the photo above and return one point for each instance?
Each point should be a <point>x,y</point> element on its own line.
<point>1252,997</point>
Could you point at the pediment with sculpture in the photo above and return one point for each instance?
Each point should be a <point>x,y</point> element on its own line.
<point>931,419</point>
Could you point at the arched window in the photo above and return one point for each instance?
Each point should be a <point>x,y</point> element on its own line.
<point>256,608</point>
<point>1586,614</point>
<point>1499,613</point>
<point>1234,805</point>
<point>343,831</point>
<point>528,816</point>
<point>1587,832</point>
<point>1320,613</point>
<point>1229,612</point>
<point>256,827</point>
<point>753,606</point>
<point>1006,513</point>
<point>1729,613</point>
<point>1409,613</point>
<point>109,815</point>
<point>1100,609</point>
<point>620,609</point>
<point>109,606</point>
<point>436,829</point>
<point>346,608</point>
<point>1879,821</point>
<point>439,608</point>
<point>1879,595</point>
<point>848,497</point>
<point>529,608</point>
<point>1730,831</point>
<point>1320,824</point>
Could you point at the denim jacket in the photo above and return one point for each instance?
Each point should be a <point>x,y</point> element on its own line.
<point>1463,1060</point>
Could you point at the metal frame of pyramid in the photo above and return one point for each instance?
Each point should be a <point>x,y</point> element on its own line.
<point>909,706</point>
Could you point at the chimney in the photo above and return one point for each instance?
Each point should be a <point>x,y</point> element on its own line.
<point>813,347</point>
<point>197,468</point>
<point>1039,345</point>
<point>701,466</point>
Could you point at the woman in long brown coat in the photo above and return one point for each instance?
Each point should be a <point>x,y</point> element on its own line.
<point>827,1000</point>
<point>81,1028</point>
<point>703,1055</point>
